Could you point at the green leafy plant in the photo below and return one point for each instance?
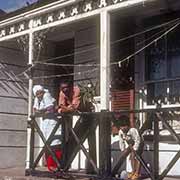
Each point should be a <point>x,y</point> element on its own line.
<point>87,93</point>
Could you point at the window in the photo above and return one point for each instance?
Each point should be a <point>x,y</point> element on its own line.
<point>163,67</point>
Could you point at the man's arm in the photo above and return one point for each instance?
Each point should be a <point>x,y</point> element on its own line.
<point>63,108</point>
<point>136,137</point>
<point>61,103</point>
<point>76,98</point>
<point>122,145</point>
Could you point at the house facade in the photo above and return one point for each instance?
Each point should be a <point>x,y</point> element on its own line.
<point>122,45</point>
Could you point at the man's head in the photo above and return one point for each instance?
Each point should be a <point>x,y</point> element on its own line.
<point>122,123</point>
<point>38,91</point>
<point>65,87</point>
<point>114,129</point>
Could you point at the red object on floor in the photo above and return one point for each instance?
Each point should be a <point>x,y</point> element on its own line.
<point>51,164</point>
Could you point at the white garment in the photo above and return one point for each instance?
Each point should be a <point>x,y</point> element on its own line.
<point>47,124</point>
<point>133,134</point>
<point>45,102</point>
<point>47,127</point>
<point>37,88</point>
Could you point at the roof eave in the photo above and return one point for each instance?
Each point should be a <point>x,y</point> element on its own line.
<point>37,11</point>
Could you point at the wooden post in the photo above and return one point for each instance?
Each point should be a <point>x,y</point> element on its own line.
<point>104,123</point>
<point>104,59</point>
<point>156,148</point>
<point>132,120</point>
<point>104,144</point>
<point>30,129</point>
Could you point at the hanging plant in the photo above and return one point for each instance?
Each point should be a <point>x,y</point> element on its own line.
<point>87,94</point>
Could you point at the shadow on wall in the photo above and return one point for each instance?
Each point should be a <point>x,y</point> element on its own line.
<point>12,84</point>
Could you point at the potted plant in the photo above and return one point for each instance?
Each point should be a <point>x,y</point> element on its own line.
<point>87,94</point>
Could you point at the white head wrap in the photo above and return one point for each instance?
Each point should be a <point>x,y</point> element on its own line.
<point>37,88</point>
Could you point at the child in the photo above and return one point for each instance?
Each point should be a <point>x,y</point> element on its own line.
<point>129,137</point>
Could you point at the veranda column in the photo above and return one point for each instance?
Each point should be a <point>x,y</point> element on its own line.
<point>30,131</point>
<point>104,59</point>
<point>104,123</point>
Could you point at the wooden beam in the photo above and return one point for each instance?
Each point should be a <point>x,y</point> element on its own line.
<point>104,59</point>
<point>30,129</point>
<point>104,144</point>
<point>75,18</point>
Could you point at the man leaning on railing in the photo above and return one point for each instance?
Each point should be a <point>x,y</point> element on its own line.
<point>69,102</point>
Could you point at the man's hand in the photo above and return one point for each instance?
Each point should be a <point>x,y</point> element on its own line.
<point>64,109</point>
<point>39,113</point>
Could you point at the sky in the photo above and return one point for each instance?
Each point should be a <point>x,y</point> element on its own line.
<point>12,5</point>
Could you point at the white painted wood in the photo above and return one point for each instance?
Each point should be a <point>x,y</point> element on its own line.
<point>38,11</point>
<point>71,19</point>
<point>30,95</point>
<point>89,14</point>
<point>15,158</point>
<point>104,59</point>
<point>30,62</point>
<point>15,35</point>
<point>31,40</point>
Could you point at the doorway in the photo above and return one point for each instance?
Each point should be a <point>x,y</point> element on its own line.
<point>64,53</point>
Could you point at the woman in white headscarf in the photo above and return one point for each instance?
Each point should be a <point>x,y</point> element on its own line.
<point>44,104</point>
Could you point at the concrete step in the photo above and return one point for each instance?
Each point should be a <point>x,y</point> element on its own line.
<point>23,178</point>
<point>18,173</point>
